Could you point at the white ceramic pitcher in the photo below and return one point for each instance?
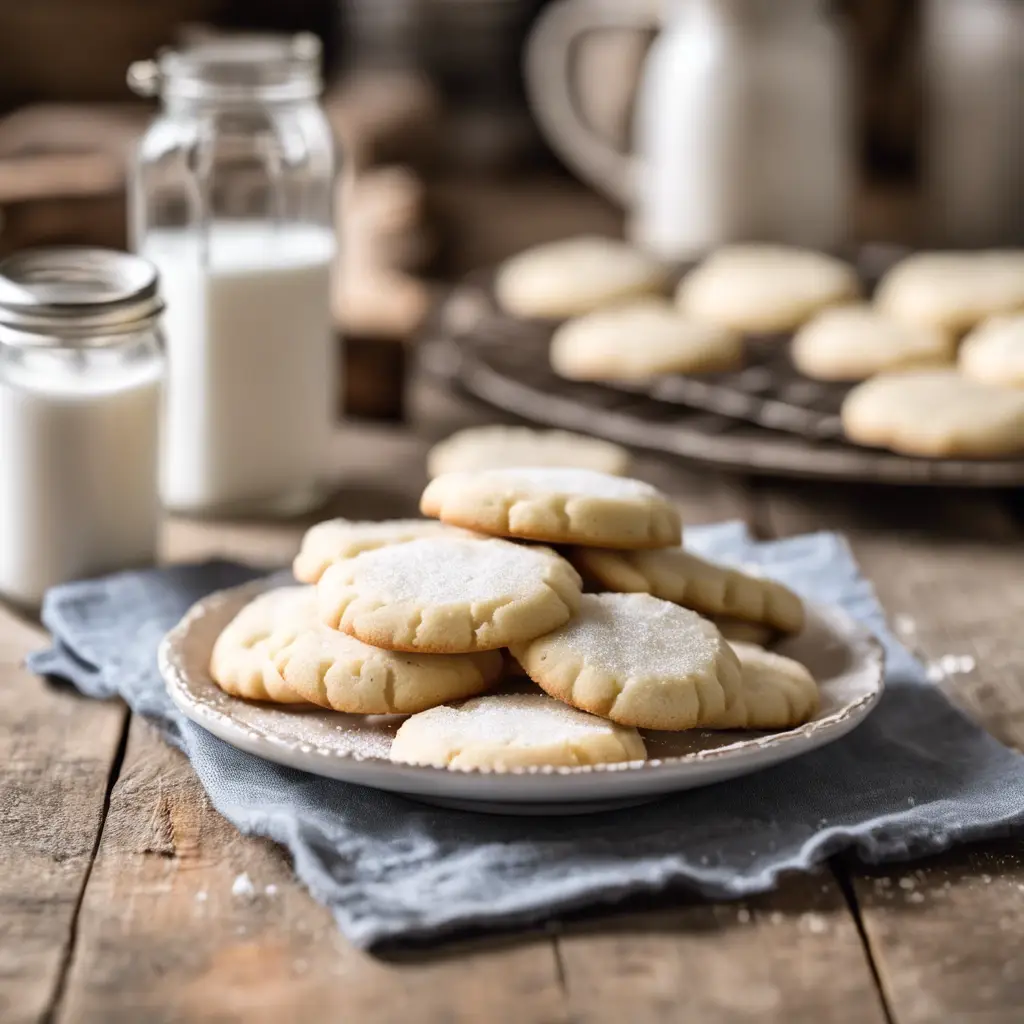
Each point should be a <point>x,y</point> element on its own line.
<point>743,128</point>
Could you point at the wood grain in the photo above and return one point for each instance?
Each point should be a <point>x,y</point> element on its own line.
<point>56,755</point>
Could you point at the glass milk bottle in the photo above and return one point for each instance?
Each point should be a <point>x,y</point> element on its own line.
<point>81,369</point>
<point>232,200</point>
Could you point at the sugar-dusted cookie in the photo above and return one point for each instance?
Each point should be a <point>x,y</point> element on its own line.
<point>765,288</point>
<point>449,595</point>
<point>676,575</point>
<point>337,671</point>
<point>559,506</point>
<point>857,341</point>
<point>637,660</point>
<point>639,340</point>
<point>242,660</point>
<point>335,539</point>
<point>575,276</point>
<point>953,291</point>
<point>936,413</point>
<point>513,731</point>
<point>500,447</point>
<point>777,693</point>
<point>993,353</point>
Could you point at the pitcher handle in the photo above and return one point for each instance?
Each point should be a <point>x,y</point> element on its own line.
<point>549,88</point>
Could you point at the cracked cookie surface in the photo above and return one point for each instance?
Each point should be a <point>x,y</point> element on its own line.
<point>449,595</point>
<point>556,506</point>
<point>513,731</point>
<point>638,661</point>
<point>337,671</point>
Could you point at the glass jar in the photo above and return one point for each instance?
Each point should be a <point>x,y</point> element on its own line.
<point>81,371</point>
<point>232,200</point>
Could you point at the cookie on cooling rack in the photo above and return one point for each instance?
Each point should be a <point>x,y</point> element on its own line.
<point>765,288</point>
<point>953,291</point>
<point>994,352</point>
<point>556,506</point>
<point>638,661</point>
<point>850,343</point>
<point>501,447</point>
<point>513,731</point>
<point>936,413</point>
<point>639,340</point>
<point>575,276</point>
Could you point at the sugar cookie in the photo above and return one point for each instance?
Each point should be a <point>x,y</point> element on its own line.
<point>513,731</point>
<point>335,539</point>
<point>953,291</point>
<point>856,342</point>
<point>678,576</point>
<point>448,595</point>
<point>994,352</point>
<point>777,693</point>
<point>575,276</point>
<point>641,340</point>
<point>337,671</point>
<point>637,660</point>
<point>936,413</point>
<point>242,660</point>
<point>501,447</point>
<point>765,288</point>
<point>559,506</point>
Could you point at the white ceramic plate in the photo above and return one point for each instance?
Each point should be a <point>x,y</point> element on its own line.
<point>842,655</point>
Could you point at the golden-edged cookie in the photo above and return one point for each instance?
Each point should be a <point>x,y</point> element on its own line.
<point>993,353</point>
<point>500,447</point>
<point>676,575</point>
<point>575,276</point>
<point>935,413</point>
<point>953,291</point>
<point>849,343</point>
<point>337,671</point>
<point>513,731</point>
<point>449,595</point>
<point>765,288</point>
<point>776,693</point>
<point>638,661</point>
<point>335,539</point>
<point>640,340</point>
<point>557,506</point>
<point>242,660</point>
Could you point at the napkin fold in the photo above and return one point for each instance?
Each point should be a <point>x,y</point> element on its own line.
<point>914,778</point>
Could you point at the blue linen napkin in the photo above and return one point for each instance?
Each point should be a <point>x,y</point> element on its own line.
<point>916,777</point>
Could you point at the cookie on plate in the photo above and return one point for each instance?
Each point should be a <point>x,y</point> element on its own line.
<point>953,291</point>
<point>849,343</point>
<point>337,671</point>
<point>335,539</point>
<point>449,595</point>
<point>499,447</point>
<point>557,506</point>
<point>575,276</point>
<point>513,731</point>
<point>641,340</point>
<point>935,413</point>
<point>994,352</point>
<point>638,661</point>
<point>765,288</point>
<point>676,575</point>
<point>242,660</point>
<point>776,693</point>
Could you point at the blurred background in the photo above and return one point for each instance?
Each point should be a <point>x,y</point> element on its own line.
<point>444,165</point>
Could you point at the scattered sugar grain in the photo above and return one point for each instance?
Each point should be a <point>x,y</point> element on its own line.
<point>814,923</point>
<point>905,625</point>
<point>243,886</point>
<point>916,897</point>
<point>202,896</point>
<point>270,890</point>
<point>907,883</point>
<point>743,915</point>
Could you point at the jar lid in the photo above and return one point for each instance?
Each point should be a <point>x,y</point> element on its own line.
<point>234,69</point>
<point>57,295</point>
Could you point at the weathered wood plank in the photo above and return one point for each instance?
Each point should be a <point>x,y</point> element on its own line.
<point>947,938</point>
<point>56,756</point>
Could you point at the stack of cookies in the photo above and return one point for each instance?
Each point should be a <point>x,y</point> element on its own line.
<point>411,617</point>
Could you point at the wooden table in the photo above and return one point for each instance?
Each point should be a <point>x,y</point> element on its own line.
<point>116,874</point>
